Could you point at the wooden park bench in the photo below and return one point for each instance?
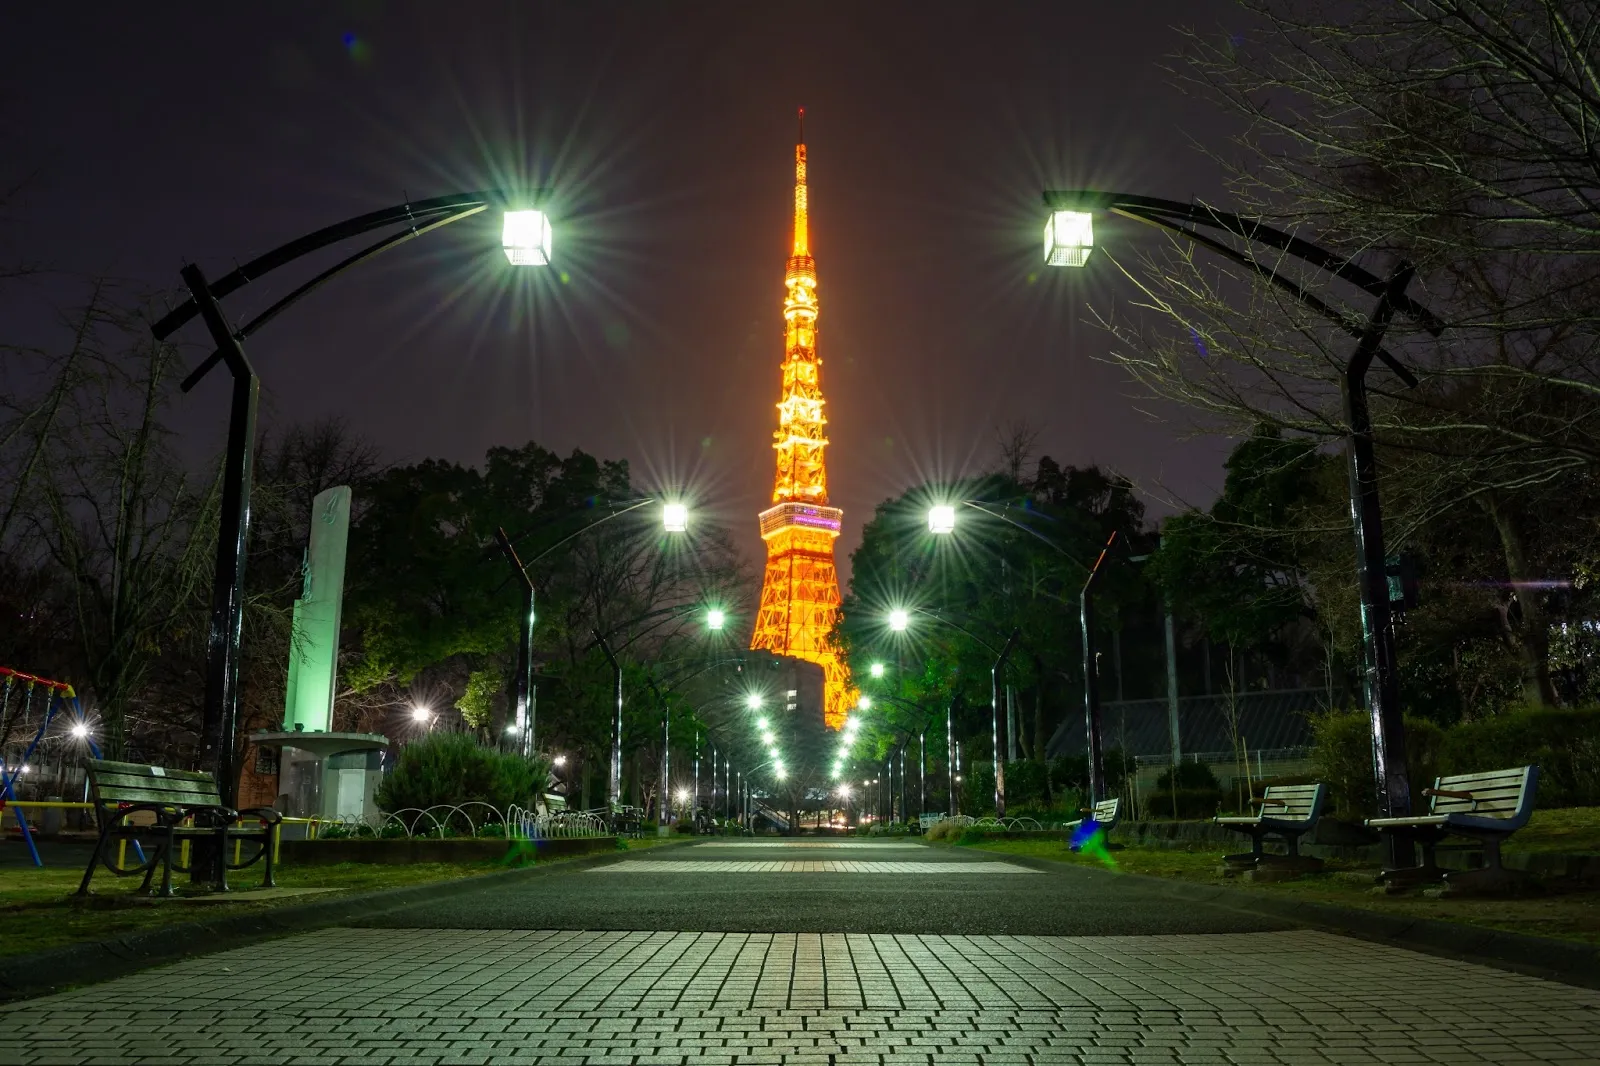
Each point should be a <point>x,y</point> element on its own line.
<point>627,821</point>
<point>174,807</point>
<point>1105,814</point>
<point>1486,808</point>
<point>1287,812</point>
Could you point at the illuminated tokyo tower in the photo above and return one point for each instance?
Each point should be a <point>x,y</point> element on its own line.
<point>800,590</point>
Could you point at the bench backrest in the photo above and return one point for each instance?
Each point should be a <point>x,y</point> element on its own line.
<point>1504,794</point>
<point>1106,811</point>
<point>1301,803</point>
<point>115,783</point>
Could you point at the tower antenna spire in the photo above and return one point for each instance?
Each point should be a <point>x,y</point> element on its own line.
<point>802,126</point>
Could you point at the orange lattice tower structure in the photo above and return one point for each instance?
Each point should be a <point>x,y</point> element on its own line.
<point>800,590</point>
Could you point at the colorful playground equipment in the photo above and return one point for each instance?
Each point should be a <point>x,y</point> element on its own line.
<point>14,711</point>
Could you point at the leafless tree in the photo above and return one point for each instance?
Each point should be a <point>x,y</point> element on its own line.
<point>1458,136</point>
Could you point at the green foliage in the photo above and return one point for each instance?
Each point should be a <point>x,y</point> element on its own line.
<point>477,703</point>
<point>1185,803</point>
<point>1563,742</point>
<point>1025,784</point>
<point>1190,775</point>
<point>453,768</point>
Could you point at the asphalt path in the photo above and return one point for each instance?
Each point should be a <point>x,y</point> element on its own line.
<point>929,889</point>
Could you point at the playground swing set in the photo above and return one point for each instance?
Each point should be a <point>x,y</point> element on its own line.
<point>56,695</point>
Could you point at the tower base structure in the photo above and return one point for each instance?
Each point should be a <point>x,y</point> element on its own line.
<point>800,596</point>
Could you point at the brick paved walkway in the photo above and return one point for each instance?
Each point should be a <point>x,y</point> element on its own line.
<point>463,996</point>
<point>804,866</point>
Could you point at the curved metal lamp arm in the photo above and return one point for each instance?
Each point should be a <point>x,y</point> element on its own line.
<point>1166,213</point>
<point>979,505</point>
<point>419,213</point>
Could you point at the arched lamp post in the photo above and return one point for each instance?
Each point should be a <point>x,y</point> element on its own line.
<point>526,237</point>
<point>1069,241</point>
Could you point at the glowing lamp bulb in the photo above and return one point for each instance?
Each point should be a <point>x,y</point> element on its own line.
<point>753,701</point>
<point>942,519</point>
<point>559,760</point>
<point>762,723</point>
<point>899,619</point>
<point>80,730</point>
<point>1068,238</point>
<point>526,238</point>
<point>683,795</point>
<point>768,739</point>
<point>865,703</point>
<point>877,669</point>
<point>675,517</point>
<point>420,714</point>
<point>715,620</point>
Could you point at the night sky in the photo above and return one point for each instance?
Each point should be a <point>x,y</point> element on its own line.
<point>155,134</point>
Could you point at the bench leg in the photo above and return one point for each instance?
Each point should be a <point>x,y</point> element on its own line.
<point>94,860</point>
<point>271,858</point>
<point>164,857</point>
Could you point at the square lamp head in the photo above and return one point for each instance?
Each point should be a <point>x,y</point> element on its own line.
<point>942,518</point>
<point>526,238</point>
<point>1068,238</point>
<point>675,517</point>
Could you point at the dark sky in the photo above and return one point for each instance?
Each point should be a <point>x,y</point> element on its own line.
<point>155,134</point>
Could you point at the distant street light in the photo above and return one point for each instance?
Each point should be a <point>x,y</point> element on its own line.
<point>865,703</point>
<point>899,619</point>
<point>753,701</point>
<point>675,517</point>
<point>877,669</point>
<point>941,518</point>
<point>715,620</point>
<point>80,730</point>
<point>559,760</point>
<point>420,714</point>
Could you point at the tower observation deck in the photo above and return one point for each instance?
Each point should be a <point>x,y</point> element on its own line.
<point>800,588</point>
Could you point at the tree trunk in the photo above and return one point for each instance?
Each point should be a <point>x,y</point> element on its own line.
<point>1532,638</point>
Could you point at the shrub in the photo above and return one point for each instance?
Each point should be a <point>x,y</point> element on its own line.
<point>1025,783</point>
<point>453,768</point>
<point>1184,803</point>
<point>1564,742</point>
<point>1190,775</point>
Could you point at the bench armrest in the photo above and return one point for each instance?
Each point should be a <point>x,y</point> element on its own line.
<point>1448,793</point>
<point>270,815</point>
<point>1273,802</point>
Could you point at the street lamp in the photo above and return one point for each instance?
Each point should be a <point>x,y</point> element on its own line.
<point>877,669</point>
<point>420,714</point>
<point>715,620</point>
<point>865,702</point>
<point>525,236</point>
<point>1068,240</point>
<point>753,701</point>
<point>80,730</point>
<point>220,711</point>
<point>675,517</point>
<point>899,619</point>
<point>941,518</point>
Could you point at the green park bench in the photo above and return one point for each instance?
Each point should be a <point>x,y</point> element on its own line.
<point>1287,812</point>
<point>1485,808</point>
<point>174,807</point>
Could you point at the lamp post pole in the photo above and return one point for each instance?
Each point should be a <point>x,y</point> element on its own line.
<point>614,791</point>
<point>994,708</point>
<point>522,681</point>
<point>1091,678</point>
<point>952,800</point>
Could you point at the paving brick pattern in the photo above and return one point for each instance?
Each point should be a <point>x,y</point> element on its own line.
<point>868,845</point>
<point>804,866</point>
<point>462,996</point>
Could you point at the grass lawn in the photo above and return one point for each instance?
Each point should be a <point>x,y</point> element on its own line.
<point>38,911</point>
<point>1561,911</point>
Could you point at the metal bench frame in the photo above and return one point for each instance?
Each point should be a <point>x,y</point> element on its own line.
<point>1287,812</point>
<point>1484,807</point>
<point>183,805</point>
